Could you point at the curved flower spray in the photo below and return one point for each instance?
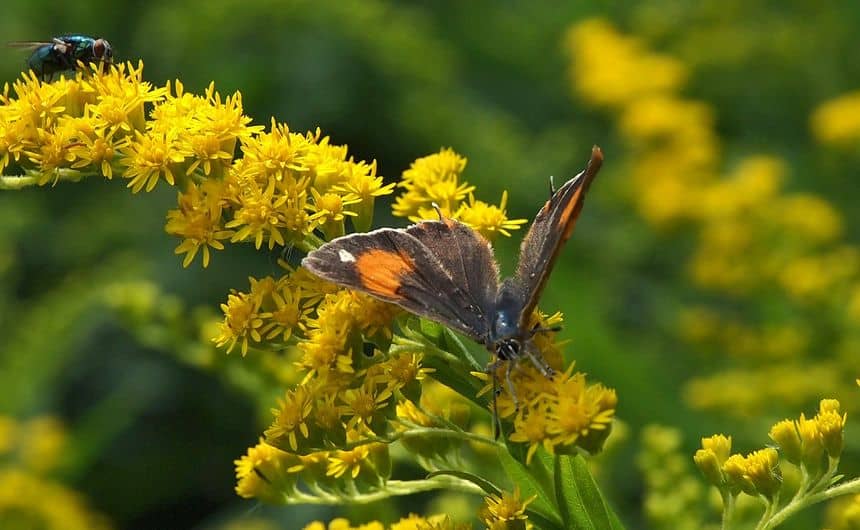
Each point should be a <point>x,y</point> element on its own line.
<point>370,374</point>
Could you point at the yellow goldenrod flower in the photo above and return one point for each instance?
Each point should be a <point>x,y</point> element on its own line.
<point>785,434</point>
<point>404,370</point>
<point>361,181</point>
<point>709,464</point>
<point>97,148</point>
<point>812,445</point>
<point>150,157</point>
<point>720,445</point>
<point>242,321</point>
<point>264,473</point>
<point>291,419</point>
<point>533,430</point>
<point>327,415</point>
<point>342,461</point>
<point>762,470</point>
<point>344,524</point>
<point>831,425</point>
<point>198,221</point>
<point>371,316</point>
<point>330,210</point>
<point>508,507</point>
<point>735,471</point>
<point>326,347</point>
<point>434,522</point>
<point>287,314</point>
<point>258,216</point>
<point>365,405</point>
<point>433,178</point>
<point>488,219</point>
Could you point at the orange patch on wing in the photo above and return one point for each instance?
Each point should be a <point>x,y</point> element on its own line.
<point>380,272</point>
<point>573,208</point>
<point>570,213</point>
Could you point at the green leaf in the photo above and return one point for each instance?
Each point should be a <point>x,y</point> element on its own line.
<point>481,482</point>
<point>543,506</point>
<point>579,499</point>
<point>462,351</point>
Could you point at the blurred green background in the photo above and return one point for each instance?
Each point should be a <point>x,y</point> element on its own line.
<point>153,421</point>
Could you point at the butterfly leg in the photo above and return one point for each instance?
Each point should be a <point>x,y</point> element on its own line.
<point>497,422</point>
<point>539,362</point>
<point>508,369</point>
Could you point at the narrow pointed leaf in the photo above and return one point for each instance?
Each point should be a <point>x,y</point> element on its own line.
<point>580,501</point>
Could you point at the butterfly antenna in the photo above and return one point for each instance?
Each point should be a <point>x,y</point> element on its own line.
<point>438,211</point>
<point>551,185</point>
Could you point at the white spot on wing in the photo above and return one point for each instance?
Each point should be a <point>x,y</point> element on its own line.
<point>345,257</point>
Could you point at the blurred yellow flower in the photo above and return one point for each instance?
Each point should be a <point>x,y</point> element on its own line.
<point>837,121</point>
<point>612,69</point>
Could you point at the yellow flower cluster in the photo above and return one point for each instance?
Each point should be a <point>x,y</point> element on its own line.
<point>437,180</point>
<point>499,512</point>
<point>623,70</point>
<point>814,444</point>
<point>73,127</point>
<point>755,240</point>
<point>28,498</point>
<point>360,390</point>
<point>559,414</point>
<point>673,494</point>
<point>412,522</point>
<point>705,326</point>
<point>283,188</point>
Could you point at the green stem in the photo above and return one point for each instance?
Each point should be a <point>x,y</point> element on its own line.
<point>797,504</point>
<point>32,178</point>
<point>728,509</point>
<point>392,488</point>
<point>770,507</point>
<point>14,182</point>
<point>416,431</point>
<point>309,243</point>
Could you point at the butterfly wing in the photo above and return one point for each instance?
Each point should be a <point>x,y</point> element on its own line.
<point>397,267</point>
<point>467,257</point>
<point>551,228</point>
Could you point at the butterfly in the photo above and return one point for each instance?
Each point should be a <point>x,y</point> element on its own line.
<point>445,271</point>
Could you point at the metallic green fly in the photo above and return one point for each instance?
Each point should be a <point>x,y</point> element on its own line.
<point>62,54</point>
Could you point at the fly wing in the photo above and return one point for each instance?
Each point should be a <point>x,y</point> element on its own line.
<point>28,45</point>
<point>467,257</point>
<point>551,228</point>
<point>396,267</point>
